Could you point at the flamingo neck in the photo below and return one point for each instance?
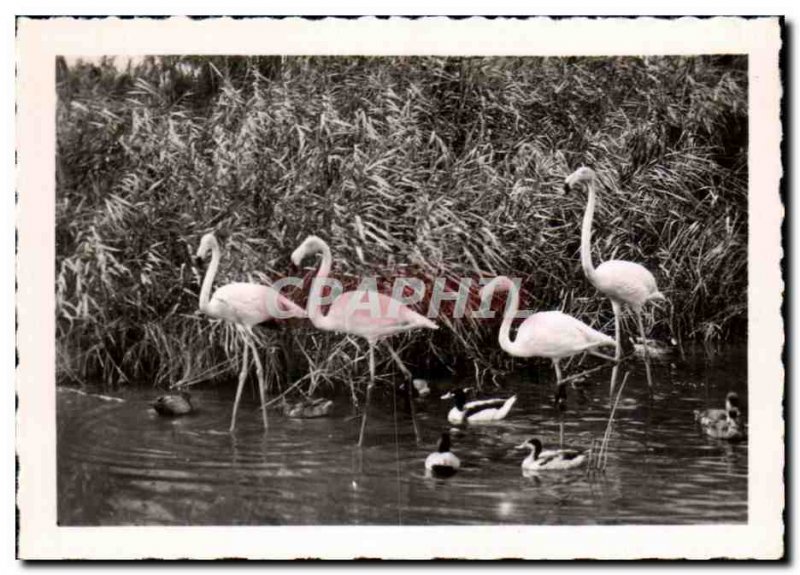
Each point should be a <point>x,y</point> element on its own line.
<point>586,236</point>
<point>510,313</point>
<point>208,281</point>
<point>318,319</point>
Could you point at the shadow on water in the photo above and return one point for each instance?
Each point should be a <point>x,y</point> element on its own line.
<point>119,463</point>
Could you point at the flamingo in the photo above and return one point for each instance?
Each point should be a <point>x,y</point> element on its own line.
<point>386,316</point>
<point>624,282</point>
<point>550,334</point>
<point>244,305</point>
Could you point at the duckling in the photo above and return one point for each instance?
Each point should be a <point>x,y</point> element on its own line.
<point>480,411</point>
<point>723,423</point>
<point>551,460</point>
<point>173,404</point>
<point>308,408</point>
<point>442,462</point>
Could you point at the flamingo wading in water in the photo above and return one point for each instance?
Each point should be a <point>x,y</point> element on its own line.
<point>244,305</point>
<point>551,334</point>
<point>624,282</point>
<point>384,317</point>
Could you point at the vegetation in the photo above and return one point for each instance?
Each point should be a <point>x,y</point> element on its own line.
<point>406,166</point>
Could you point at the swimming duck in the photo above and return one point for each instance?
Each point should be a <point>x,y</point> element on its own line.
<point>723,423</point>
<point>551,460</point>
<point>479,411</point>
<point>173,404</point>
<point>707,416</point>
<point>442,462</point>
<point>308,408</point>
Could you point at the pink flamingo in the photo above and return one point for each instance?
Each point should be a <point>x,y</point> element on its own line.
<point>244,305</point>
<point>549,334</point>
<point>384,317</point>
<point>624,282</point>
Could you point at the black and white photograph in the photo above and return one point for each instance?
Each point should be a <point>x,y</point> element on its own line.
<point>407,290</point>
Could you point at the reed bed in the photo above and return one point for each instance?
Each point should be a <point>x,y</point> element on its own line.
<point>408,166</point>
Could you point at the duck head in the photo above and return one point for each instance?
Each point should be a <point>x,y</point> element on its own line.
<point>444,443</point>
<point>732,401</point>
<point>459,397</point>
<point>534,444</point>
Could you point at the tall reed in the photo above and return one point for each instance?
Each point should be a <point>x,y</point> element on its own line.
<point>431,167</point>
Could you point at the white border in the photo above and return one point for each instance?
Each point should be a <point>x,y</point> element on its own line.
<point>37,44</point>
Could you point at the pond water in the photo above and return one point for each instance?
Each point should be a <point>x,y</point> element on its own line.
<point>120,464</point>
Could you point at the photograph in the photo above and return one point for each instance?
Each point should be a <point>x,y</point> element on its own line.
<point>408,290</point>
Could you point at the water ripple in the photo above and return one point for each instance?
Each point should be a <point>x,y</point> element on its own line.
<point>119,463</point>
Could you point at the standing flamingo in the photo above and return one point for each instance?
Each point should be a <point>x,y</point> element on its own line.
<point>550,334</point>
<point>386,316</point>
<point>625,283</point>
<point>244,305</point>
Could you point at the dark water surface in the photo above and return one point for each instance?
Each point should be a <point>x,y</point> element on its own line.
<point>119,463</point>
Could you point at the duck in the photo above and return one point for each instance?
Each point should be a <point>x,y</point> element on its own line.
<point>479,411</point>
<point>442,462</point>
<point>723,423</point>
<point>173,404</point>
<point>551,460</point>
<point>308,408</point>
<point>708,416</point>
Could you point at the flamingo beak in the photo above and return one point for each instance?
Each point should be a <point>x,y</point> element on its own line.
<point>198,263</point>
<point>566,189</point>
<point>524,445</point>
<point>447,395</point>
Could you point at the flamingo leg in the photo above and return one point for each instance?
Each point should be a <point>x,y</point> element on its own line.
<point>618,352</point>
<point>646,353</point>
<point>409,390</point>
<point>242,377</point>
<point>261,382</point>
<point>369,392</point>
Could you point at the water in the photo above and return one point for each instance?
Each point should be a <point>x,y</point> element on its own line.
<point>120,464</point>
